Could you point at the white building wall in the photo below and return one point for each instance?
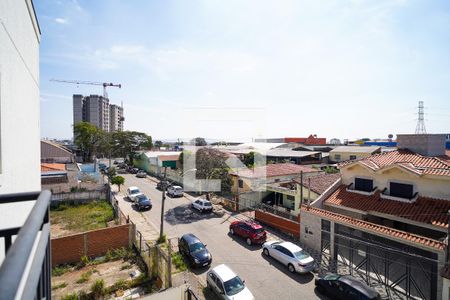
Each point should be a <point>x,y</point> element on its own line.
<point>19,98</point>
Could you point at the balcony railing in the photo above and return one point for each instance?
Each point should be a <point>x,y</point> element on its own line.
<point>351,189</point>
<point>26,270</point>
<point>386,195</point>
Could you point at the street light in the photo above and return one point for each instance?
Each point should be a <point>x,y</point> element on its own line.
<point>164,187</point>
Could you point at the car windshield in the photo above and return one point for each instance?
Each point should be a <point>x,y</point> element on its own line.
<point>136,191</point>
<point>207,203</point>
<point>258,230</point>
<point>142,198</point>
<point>302,254</point>
<point>233,286</point>
<point>196,247</point>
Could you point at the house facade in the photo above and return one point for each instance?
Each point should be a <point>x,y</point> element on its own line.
<point>387,221</point>
<point>344,153</point>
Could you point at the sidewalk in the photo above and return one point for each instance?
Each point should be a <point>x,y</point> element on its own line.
<point>149,230</point>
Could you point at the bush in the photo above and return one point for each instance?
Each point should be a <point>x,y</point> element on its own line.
<point>59,270</point>
<point>98,288</point>
<point>162,239</point>
<point>84,261</point>
<point>85,277</point>
<point>71,296</point>
<point>178,261</point>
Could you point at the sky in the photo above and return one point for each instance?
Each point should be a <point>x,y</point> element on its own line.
<point>236,70</point>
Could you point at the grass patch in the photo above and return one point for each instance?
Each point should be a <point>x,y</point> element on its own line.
<point>59,286</point>
<point>60,270</point>
<point>178,261</point>
<point>82,217</point>
<point>71,296</point>
<point>125,267</point>
<point>85,276</point>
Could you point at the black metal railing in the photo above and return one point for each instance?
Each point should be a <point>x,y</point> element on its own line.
<point>26,270</point>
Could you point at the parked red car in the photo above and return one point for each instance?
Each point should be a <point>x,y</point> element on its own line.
<point>252,232</point>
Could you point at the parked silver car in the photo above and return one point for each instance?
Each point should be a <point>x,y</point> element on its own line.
<point>290,255</point>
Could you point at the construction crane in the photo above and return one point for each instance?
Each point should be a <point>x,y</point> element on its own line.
<point>77,82</point>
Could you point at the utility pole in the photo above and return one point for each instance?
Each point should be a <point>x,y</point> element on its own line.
<point>301,189</point>
<point>161,230</point>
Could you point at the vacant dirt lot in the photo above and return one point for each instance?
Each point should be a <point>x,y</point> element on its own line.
<point>82,279</point>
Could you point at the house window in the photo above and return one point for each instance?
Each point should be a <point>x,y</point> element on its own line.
<point>337,157</point>
<point>241,183</point>
<point>362,184</point>
<point>352,157</point>
<point>401,190</point>
<point>289,197</point>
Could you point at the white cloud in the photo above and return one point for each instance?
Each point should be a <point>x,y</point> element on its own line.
<point>61,20</point>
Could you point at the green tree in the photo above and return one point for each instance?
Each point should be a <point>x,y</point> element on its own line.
<point>87,137</point>
<point>158,144</point>
<point>249,158</point>
<point>127,143</point>
<point>198,141</point>
<point>118,180</point>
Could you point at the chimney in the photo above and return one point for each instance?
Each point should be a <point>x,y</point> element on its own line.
<point>424,144</point>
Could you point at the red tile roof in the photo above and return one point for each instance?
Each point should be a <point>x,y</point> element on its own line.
<point>47,167</point>
<point>406,159</point>
<point>273,170</point>
<point>376,228</point>
<point>320,183</point>
<point>425,210</point>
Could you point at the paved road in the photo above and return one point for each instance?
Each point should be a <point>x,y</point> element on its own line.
<point>266,278</point>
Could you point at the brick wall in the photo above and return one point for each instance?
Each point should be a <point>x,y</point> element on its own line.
<point>280,223</point>
<point>92,243</point>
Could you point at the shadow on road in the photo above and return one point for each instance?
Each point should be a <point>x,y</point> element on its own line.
<point>241,241</point>
<point>300,278</point>
<point>184,214</point>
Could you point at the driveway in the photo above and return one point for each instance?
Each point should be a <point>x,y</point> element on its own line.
<point>266,278</point>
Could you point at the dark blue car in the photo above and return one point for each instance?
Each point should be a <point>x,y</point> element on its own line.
<point>345,288</point>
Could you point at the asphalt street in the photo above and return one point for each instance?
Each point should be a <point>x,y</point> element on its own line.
<point>266,278</point>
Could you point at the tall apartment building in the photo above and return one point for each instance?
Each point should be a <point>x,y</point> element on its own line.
<point>97,111</point>
<point>115,118</point>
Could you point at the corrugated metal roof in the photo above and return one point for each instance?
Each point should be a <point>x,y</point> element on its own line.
<point>356,149</point>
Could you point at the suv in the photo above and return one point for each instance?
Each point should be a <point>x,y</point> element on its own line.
<point>252,232</point>
<point>226,284</point>
<point>132,192</point>
<point>142,202</point>
<point>202,205</point>
<point>175,191</point>
<point>345,288</point>
<point>194,250</point>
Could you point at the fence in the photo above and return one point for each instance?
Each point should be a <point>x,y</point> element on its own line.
<point>92,243</point>
<point>285,225</point>
<point>79,197</point>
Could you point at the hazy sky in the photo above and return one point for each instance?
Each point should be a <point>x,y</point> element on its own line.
<point>241,69</point>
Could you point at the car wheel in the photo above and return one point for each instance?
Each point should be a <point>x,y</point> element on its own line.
<point>249,241</point>
<point>320,289</point>
<point>291,268</point>
<point>266,252</point>
<point>232,231</point>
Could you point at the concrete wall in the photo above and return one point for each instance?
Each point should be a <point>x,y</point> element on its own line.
<point>428,186</point>
<point>446,288</point>
<point>346,156</point>
<point>425,144</point>
<point>311,234</point>
<point>93,243</point>
<point>19,98</point>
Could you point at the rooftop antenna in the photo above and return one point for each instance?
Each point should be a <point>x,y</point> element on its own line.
<point>420,127</point>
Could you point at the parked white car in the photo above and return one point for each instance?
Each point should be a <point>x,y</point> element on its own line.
<point>175,191</point>
<point>202,205</point>
<point>226,284</point>
<point>290,255</point>
<point>132,192</point>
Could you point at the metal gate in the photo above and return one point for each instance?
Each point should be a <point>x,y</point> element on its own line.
<point>397,270</point>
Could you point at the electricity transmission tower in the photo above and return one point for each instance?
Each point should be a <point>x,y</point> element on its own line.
<point>420,127</point>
